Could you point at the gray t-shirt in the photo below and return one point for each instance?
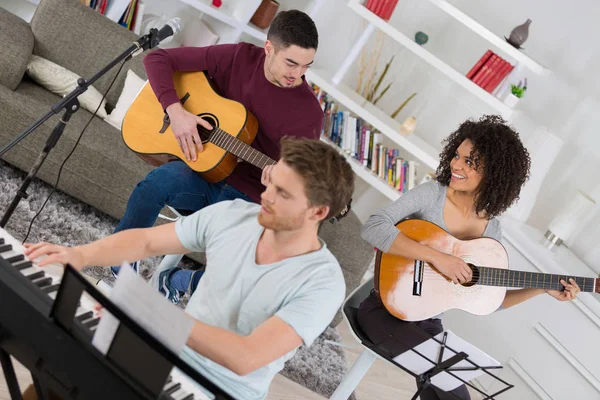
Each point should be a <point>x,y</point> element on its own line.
<point>237,294</point>
<point>426,202</point>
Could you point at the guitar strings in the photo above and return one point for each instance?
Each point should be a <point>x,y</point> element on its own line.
<point>504,281</point>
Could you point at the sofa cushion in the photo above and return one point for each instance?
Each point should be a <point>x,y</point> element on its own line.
<point>16,44</point>
<point>133,85</point>
<point>61,81</point>
<point>83,41</point>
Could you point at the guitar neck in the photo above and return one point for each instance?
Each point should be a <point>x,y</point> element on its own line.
<point>240,149</point>
<point>538,280</point>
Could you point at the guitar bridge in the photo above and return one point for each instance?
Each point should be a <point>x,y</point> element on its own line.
<point>418,278</point>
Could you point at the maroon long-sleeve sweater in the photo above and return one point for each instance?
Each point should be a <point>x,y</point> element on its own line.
<point>238,72</point>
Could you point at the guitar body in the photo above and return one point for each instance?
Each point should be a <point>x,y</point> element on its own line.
<point>145,132</point>
<point>394,275</point>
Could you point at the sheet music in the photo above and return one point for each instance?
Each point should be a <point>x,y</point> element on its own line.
<point>142,303</point>
<point>431,349</point>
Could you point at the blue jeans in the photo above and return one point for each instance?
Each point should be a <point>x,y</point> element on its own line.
<point>177,185</point>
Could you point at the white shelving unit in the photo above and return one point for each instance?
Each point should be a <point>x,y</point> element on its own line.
<point>499,42</point>
<point>432,60</point>
<point>375,117</point>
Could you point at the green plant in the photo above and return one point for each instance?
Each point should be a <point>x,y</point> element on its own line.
<point>519,89</point>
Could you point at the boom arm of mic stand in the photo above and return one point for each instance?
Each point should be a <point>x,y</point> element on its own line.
<point>70,104</point>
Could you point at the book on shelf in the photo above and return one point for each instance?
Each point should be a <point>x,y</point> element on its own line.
<point>359,140</point>
<point>382,8</point>
<point>127,13</point>
<point>489,71</point>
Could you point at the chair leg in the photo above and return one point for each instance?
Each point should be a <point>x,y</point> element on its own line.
<point>169,261</point>
<point>354,376</point>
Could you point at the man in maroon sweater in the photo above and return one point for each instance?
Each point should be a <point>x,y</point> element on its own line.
<point>268,81</point>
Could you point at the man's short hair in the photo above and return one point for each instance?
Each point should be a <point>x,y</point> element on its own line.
<point>328,178</point>
<point>293,27</point>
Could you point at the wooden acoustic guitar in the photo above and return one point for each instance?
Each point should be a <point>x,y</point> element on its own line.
<point>413,290</point>
<point>146,128</point>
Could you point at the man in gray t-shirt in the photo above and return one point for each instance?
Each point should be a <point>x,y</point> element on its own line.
<point>270,283</point>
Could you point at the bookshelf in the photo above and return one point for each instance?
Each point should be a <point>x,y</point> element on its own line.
<point>432,60</point>
<point>497,41</point>
<point>347,97</point>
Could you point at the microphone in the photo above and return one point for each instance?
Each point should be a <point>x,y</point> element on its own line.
<point>155,36</point>
<point>172,28</point>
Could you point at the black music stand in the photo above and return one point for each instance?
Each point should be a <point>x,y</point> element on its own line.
<point>133,350</point>
<point>413,360</point>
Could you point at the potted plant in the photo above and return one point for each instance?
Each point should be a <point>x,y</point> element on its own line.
<point>516,92</point>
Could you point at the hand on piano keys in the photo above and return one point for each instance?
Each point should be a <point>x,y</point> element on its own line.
<point>46,278</point>
<point>48,253</point>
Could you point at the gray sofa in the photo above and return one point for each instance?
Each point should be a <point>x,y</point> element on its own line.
<point>103,171</point>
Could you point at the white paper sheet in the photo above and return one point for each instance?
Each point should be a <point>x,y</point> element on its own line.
<point>142,303</point>
<point>431,349</point>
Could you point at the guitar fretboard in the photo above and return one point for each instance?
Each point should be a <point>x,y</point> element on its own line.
<point>538,280</point>
<point>235,146</point>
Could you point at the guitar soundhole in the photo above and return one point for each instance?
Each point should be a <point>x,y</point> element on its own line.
<point>475,277</point>
<point>202,131</point>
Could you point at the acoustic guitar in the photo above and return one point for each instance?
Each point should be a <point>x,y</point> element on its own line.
<point>413,290</point>
<point>146,128</point>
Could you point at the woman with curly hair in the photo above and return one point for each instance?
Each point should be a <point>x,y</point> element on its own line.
<point>482,168</point>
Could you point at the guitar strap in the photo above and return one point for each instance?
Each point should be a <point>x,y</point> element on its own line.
<point>167,120</point>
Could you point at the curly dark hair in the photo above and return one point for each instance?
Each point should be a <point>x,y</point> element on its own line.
<point>499,151</point>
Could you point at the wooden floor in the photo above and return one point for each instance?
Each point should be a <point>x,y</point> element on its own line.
<point>382,382</point>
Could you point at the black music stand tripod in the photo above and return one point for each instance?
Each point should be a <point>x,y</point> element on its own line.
<point>413,360</point>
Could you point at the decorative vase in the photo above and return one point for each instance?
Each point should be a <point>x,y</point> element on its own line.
<point>421,38</point>
<point>511,100</point>
<point>265,13</point>
<point>408,126</point>
<point>519,34</point>
<point>543,148</point>
<point>570,219</point>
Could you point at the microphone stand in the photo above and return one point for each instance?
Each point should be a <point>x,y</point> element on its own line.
<point>70,104</point>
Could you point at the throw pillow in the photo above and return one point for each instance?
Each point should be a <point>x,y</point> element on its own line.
<point>61,81</point>
<point>132,86</point>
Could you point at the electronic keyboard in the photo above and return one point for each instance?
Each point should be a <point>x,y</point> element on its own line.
<point>66,362</point>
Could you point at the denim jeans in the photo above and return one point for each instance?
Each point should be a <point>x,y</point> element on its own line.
<point>177,185</point>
